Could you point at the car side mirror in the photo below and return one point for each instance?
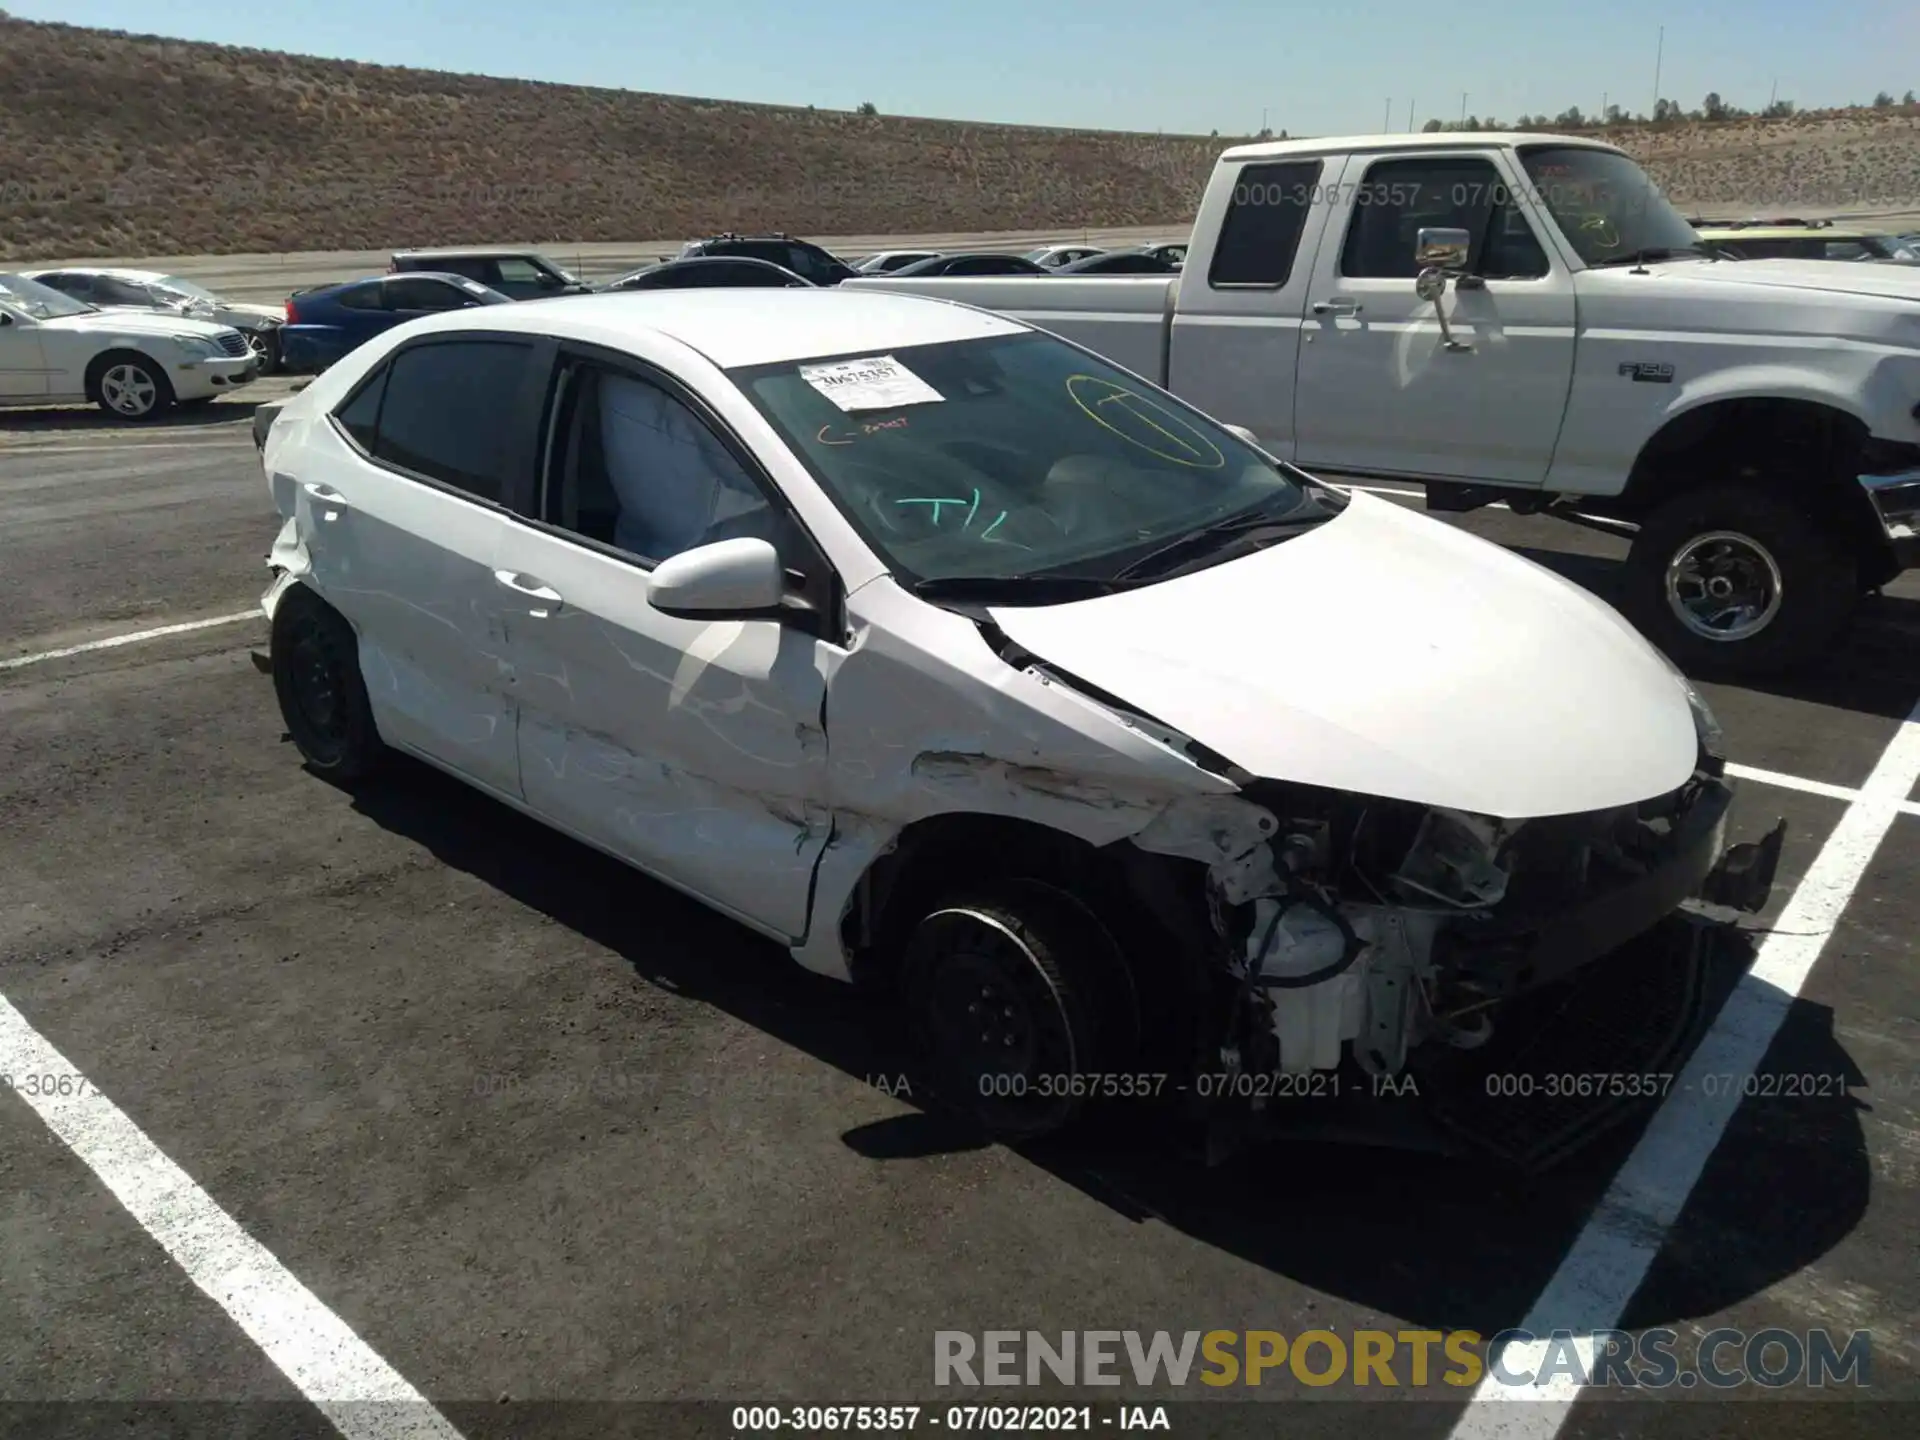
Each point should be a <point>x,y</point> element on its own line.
<point>729,578</point>
<point>1241,432</point>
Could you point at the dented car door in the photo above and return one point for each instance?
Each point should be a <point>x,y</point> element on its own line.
<point>690,748</point>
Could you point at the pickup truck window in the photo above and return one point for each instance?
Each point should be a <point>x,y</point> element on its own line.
<point>1036,458</point>
<point>1398,198</point>
<point>1608,207</point>
<point>1261,233</point>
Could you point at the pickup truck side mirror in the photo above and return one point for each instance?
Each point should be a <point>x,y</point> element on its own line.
<point>1441,253</point>
<point>1435,248</point>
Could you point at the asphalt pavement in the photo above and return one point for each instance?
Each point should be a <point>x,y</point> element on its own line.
<point>562,1151</point>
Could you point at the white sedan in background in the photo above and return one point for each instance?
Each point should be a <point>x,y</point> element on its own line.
<point>55,350</point>
<point>953,658</point>
<point>117,288</point>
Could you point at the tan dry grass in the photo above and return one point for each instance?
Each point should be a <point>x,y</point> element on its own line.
<point>138,145</point>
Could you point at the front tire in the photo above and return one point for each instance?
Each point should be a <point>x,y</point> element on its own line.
<point>129,386</point>
<point>316,678</point>
<point>1735,580</point>
<point>265,345</point>
<point>1015,996</point>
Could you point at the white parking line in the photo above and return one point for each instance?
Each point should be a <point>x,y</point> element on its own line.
<point>1806,786</point>
<point>359,1393</point>
<point>1609,1258</point>
<point>135,638</point>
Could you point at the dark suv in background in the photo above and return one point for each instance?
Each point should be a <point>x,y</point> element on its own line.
<point>804,258</point>
<point>518,274</point>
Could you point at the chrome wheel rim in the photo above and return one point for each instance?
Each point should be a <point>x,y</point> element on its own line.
<point>128,390</point>
<point>257,343</point>
<point>1724,586</point>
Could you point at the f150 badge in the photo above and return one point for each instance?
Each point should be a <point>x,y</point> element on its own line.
<point>1646,372</point>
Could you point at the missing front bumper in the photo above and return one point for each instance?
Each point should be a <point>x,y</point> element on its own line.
<point>1698,865</point>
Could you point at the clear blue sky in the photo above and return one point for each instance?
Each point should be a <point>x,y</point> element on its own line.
<point>1120,64</point>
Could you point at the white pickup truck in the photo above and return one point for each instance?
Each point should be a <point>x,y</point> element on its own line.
<point>1525,319</point>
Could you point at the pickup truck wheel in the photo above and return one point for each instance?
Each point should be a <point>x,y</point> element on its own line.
<point>1737,581</point>
<point>1010,989</point>
<point>316,678</point>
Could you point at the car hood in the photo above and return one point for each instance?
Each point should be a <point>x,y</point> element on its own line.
<point>140,322</point>
<point>1836,277</point>
<point>1389,654</point>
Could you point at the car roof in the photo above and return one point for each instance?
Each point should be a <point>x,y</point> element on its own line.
<point>734,328</point>
<point>698,262</point>
<point>117,272</point>
<point>1438,140</point>
<point>462,281</point>
<point>473,252</point>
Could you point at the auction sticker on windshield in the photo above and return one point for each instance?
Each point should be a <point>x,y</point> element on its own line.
<point>879,383</point>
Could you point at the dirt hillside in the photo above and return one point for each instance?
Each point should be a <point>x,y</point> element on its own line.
<point>116,144</point>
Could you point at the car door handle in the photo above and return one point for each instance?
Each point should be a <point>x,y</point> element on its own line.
<point>532,589</point>
<point>1338,305</point>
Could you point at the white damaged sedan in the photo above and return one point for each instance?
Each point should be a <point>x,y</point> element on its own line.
<point>956,659</point>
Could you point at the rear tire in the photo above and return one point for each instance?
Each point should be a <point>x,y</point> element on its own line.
<point>323,699</point>
<point>1016,1000</point>
<point>1737,581</point>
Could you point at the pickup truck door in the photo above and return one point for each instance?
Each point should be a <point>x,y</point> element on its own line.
<point>1380,392</point>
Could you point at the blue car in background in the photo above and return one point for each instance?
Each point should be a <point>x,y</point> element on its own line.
<point>325,323</point>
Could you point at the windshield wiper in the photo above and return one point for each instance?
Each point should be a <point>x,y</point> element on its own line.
<point>1659,252</point>
<point>1285,525</point>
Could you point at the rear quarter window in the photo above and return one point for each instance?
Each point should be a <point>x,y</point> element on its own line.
<point>1260,235</point>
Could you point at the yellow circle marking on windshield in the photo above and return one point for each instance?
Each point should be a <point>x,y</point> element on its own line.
<point>1153,428</point>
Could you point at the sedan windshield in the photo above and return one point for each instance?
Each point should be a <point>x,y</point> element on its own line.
<point>1607,206</point>
<point>1015,457</point>
<point>42,302</point>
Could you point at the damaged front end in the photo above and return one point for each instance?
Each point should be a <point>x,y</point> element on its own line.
<point>1362,934</point>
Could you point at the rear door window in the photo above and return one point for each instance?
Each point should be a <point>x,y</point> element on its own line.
<point>418,293</point>
<point>363,297</point>
<point>449,413</point>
